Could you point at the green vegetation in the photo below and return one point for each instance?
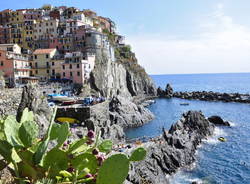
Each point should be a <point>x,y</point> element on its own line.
<point>86,160</point>
<point>124,52</point>
<point>111,36</point>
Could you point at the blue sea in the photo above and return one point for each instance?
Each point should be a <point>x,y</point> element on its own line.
<point>217,162</point>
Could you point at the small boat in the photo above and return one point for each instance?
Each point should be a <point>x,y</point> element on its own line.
<point>67,119</point>
<point>222,139</point>
<point>63,98</point>
<point>184,103</point>
<point>70,102</point>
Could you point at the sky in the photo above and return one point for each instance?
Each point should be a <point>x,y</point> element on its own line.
<point>175,36</point>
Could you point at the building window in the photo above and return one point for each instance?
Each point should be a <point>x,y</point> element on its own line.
<point>78,73</point>
<point>71,74</point>
<point>47,63</point>
<point>47,56</point>
<point>1,63</point>
<point>47,71</point>
<point>70,66</point>
<point>64,74</point>
<point>53,72</point>
<point>35,56</point>
<point>36,72</point>
<point>36,65</point>
<point>52,63</point>
<point>63,67</point>
<point>78,66</point>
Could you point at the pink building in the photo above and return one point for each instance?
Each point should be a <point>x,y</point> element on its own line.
<point>56,43</point>
<point>77,67</point>
<point>15,66</point>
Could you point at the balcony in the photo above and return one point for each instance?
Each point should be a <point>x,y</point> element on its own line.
<point>40,67</point>
<point>22,68</point>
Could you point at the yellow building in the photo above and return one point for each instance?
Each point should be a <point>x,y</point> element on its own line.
<point>17,22</point>
<point>41,64</point>
<point>56,67</point>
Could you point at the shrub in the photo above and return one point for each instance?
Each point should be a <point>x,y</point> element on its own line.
<point>83,161</point>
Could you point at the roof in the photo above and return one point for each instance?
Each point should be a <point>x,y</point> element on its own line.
<point>43,51</point>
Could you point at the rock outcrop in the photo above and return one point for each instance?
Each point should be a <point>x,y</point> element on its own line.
<point>214,96</point>
<point>175,149</point>
<point>113,116</point>
<point>167,93</point>
<point>33,99</point>
<point>120,78</point>
<point>217,120</point>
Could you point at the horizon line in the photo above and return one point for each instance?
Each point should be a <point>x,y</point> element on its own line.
<point>202,73</point>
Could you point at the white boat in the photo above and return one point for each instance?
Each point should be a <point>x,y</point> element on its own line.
<point>62,98</point>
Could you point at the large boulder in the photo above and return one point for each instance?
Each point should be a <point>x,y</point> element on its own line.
<point>169,91</point>
<point>217,120</point>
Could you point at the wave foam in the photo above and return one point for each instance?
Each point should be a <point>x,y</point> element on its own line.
<point>218,132</point>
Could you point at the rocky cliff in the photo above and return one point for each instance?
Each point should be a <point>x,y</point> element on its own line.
<point>123,77</point>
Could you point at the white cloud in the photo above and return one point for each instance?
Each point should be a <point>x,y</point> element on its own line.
<point>221,46</point>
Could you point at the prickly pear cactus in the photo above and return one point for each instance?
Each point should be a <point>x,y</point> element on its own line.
<point>28,132</point>
<point>138,155</point>
<point>114,170</point>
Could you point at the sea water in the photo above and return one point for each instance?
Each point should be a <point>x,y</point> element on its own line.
<point>217,162</point>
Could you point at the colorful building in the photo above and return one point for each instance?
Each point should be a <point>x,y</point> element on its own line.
<point>41,63</point>
<point>77,67</point>
<point>5,17</point>
<point>46,29</point>
<point>4,34</point>
<point>13,64</point>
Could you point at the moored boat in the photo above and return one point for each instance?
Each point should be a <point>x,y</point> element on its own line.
<point>67,119</point>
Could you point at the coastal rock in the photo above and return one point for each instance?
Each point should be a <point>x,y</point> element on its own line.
<point>214,96</point>
<point>217,120</point>
<point>160,92</point>
<point>33,99</point>
<point>112,117</point>
<point>172,151</point>
<point>169,91</point>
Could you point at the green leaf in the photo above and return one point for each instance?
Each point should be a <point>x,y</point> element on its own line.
<point>138,154</point>
<point>26,156</point>
<point>85,160</point>
<point>60,133</point>
<point>40,152</point>
<point>11,128</point>
<point>78,146</point>
<point>28,133</point>
<point>105,146</point>
<point>114,170</point>
<point>55,161</point>
<point>6,150</point>
<point>27,116</point>
<point>55,130</point>
<point>27,170</point>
